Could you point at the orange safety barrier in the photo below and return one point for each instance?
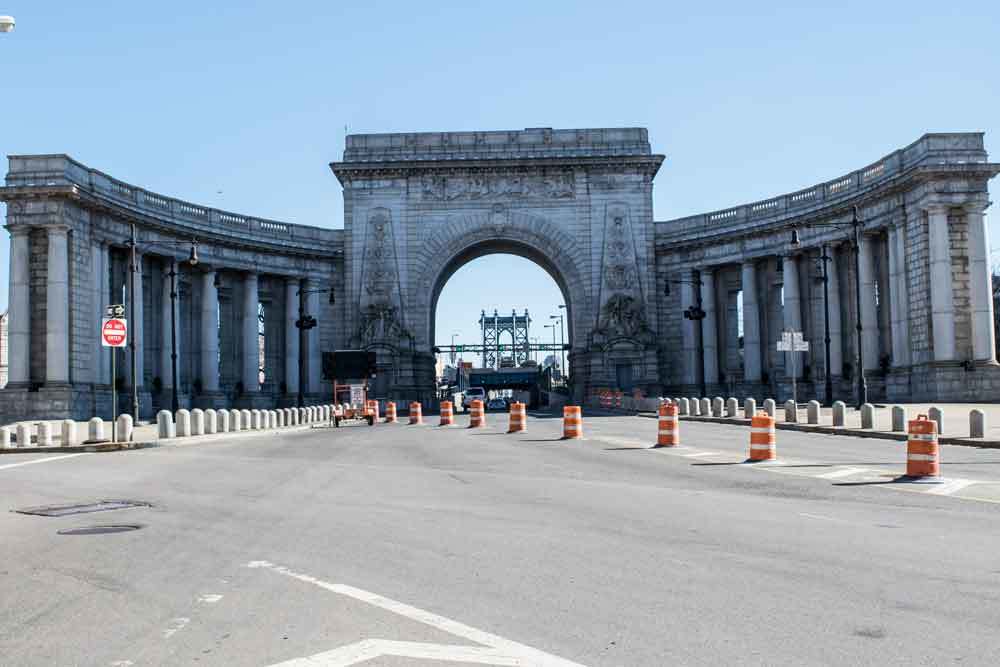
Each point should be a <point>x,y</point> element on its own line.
<point>416,413</point>
<point>668,433</point>
<point>518,418</point>
<point>618,399</point>
<point>762,440</point>
<point>372,408</point>
<point>922,453</point>
<point>447,415</point>
<point>572,422</point>
<point>477,414</point>
<point>390,412</point>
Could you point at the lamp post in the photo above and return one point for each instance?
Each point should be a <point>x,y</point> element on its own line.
<point>562,340</point>
<point>694,313</point>
<point>304,324</point>
<point>453,347</point>
<point>856,226</point>
<point>133,269</point>
<point>555,359</point>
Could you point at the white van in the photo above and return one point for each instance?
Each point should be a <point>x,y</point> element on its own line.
<point>473,394</point>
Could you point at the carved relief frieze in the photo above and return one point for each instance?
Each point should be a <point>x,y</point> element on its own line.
<point>379,304</point>
<point>498,186</point>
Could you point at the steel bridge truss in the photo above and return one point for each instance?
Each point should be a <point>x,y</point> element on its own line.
<point>493,326</point>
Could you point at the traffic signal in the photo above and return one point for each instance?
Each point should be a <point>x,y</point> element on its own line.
<point>305,322</point>
<point>694,313</point>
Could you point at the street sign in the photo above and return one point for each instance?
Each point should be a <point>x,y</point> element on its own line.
<point>114,310</point>
<point>800,346</point>
<point>114,331</point>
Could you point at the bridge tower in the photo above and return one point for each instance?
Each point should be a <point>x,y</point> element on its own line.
<point>518,326</point>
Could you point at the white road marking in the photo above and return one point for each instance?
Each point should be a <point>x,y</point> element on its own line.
<point>837,474</point>
<point>209,598</point>
<point>699,455</point>
<point>45,460</point>
<point>176,625</point>
<point>950,487</point>
<point>498,651</point>
<point>822,518</point>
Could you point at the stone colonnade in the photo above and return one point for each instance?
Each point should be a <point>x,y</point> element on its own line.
<point>920,284</point>
<point>230,317</point>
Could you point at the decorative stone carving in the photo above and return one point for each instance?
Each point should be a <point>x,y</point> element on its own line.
<point>379,301</point>
<point>381,323</point>
<point>622,315</point>
<point>493,186</point>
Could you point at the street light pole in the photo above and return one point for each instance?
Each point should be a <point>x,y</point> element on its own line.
<point>862,383</point>
<point>132,328</point>
<point>826,325</point>
<point>173,336</point>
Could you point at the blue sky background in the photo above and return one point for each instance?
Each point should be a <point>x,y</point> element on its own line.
<point>241,105</point>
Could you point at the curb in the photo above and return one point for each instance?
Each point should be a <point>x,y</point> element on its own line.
<point>832,430</point>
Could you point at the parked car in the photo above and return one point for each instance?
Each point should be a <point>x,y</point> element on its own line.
<point>473,394</point>
<point>496,404</point>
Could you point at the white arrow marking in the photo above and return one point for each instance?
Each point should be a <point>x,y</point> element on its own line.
<point>497,651</point>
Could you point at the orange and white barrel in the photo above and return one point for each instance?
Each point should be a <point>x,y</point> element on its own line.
<point>416,413</point>
<point>477,414</point>
<point>518,418</point>
<point>447,415</point>
<point>372,406</point>
<point>572,422</point>
<point>390,412</point>
<point>922,452</point>
<point>618,398</point>
<point>762,439</point>
<point>668,431</point>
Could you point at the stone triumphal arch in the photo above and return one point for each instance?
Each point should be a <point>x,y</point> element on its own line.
<point>417,206</point>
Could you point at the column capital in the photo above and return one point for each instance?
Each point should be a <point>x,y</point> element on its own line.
<point>976,206</point>
<point>936,208</point>
<point>57,228</point>
<point>19,230</point>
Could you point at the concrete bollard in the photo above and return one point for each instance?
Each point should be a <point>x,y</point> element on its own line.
<point>44,433</point>
<point>279,418</point>
<point>683,406</point>
<point>211,422</point>
<point>839,409</point>
<point>293,417</point>
<point>234,420</point>
<point>898,418</point>
<point>718,405</point>
<point>273,422</point>
<point>124,428</point>
<point>24,435</point>
<point>246,420</point>
<point>164,424</point>
<point>95,429</point>
<point>183,423</point>
<point>303,416</point>
<point>770,407</point>
<point>706,407</point>
<point>326,413</point>
<point>749,408</point>
<point>791,411</point>
<point>695,407</point>
<point>255,422</point>
<point>732,407</point>
<point>223,425</point>
<point>197,422</point>
<point>5,439</point>
<point>934,414</point>
<point>812,412</point>
<point>69,438</point>
<point>867,416</point>
<point>977,424</point>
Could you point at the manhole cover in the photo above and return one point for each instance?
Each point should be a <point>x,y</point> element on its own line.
<point>100,530</point>
<point>82,508</point>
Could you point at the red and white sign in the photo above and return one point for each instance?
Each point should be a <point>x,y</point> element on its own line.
<point>114,331</point>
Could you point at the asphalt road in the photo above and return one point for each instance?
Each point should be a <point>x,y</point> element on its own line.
<point>400,545</point>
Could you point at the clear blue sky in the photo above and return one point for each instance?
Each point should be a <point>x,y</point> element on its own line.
<point>250,100</point>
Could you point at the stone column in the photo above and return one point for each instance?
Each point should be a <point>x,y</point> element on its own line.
<point>709,328</point>
<point>135,325</point>
<point>980,285</point>
<point>899,298</point>
<point>19,309</point>
<point>291,335</point>
<point>166,329</point>
<point>101,365</point>
<point>314,359</point>
<point>942,285</point>
<point>690,334</point>
<point>251,353</point>
<point>792,311</point>
<point>57,317</point>
<point>869,314</point>
<point>751,324</point>
<point>836,323</point>
<point>209,332</point>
